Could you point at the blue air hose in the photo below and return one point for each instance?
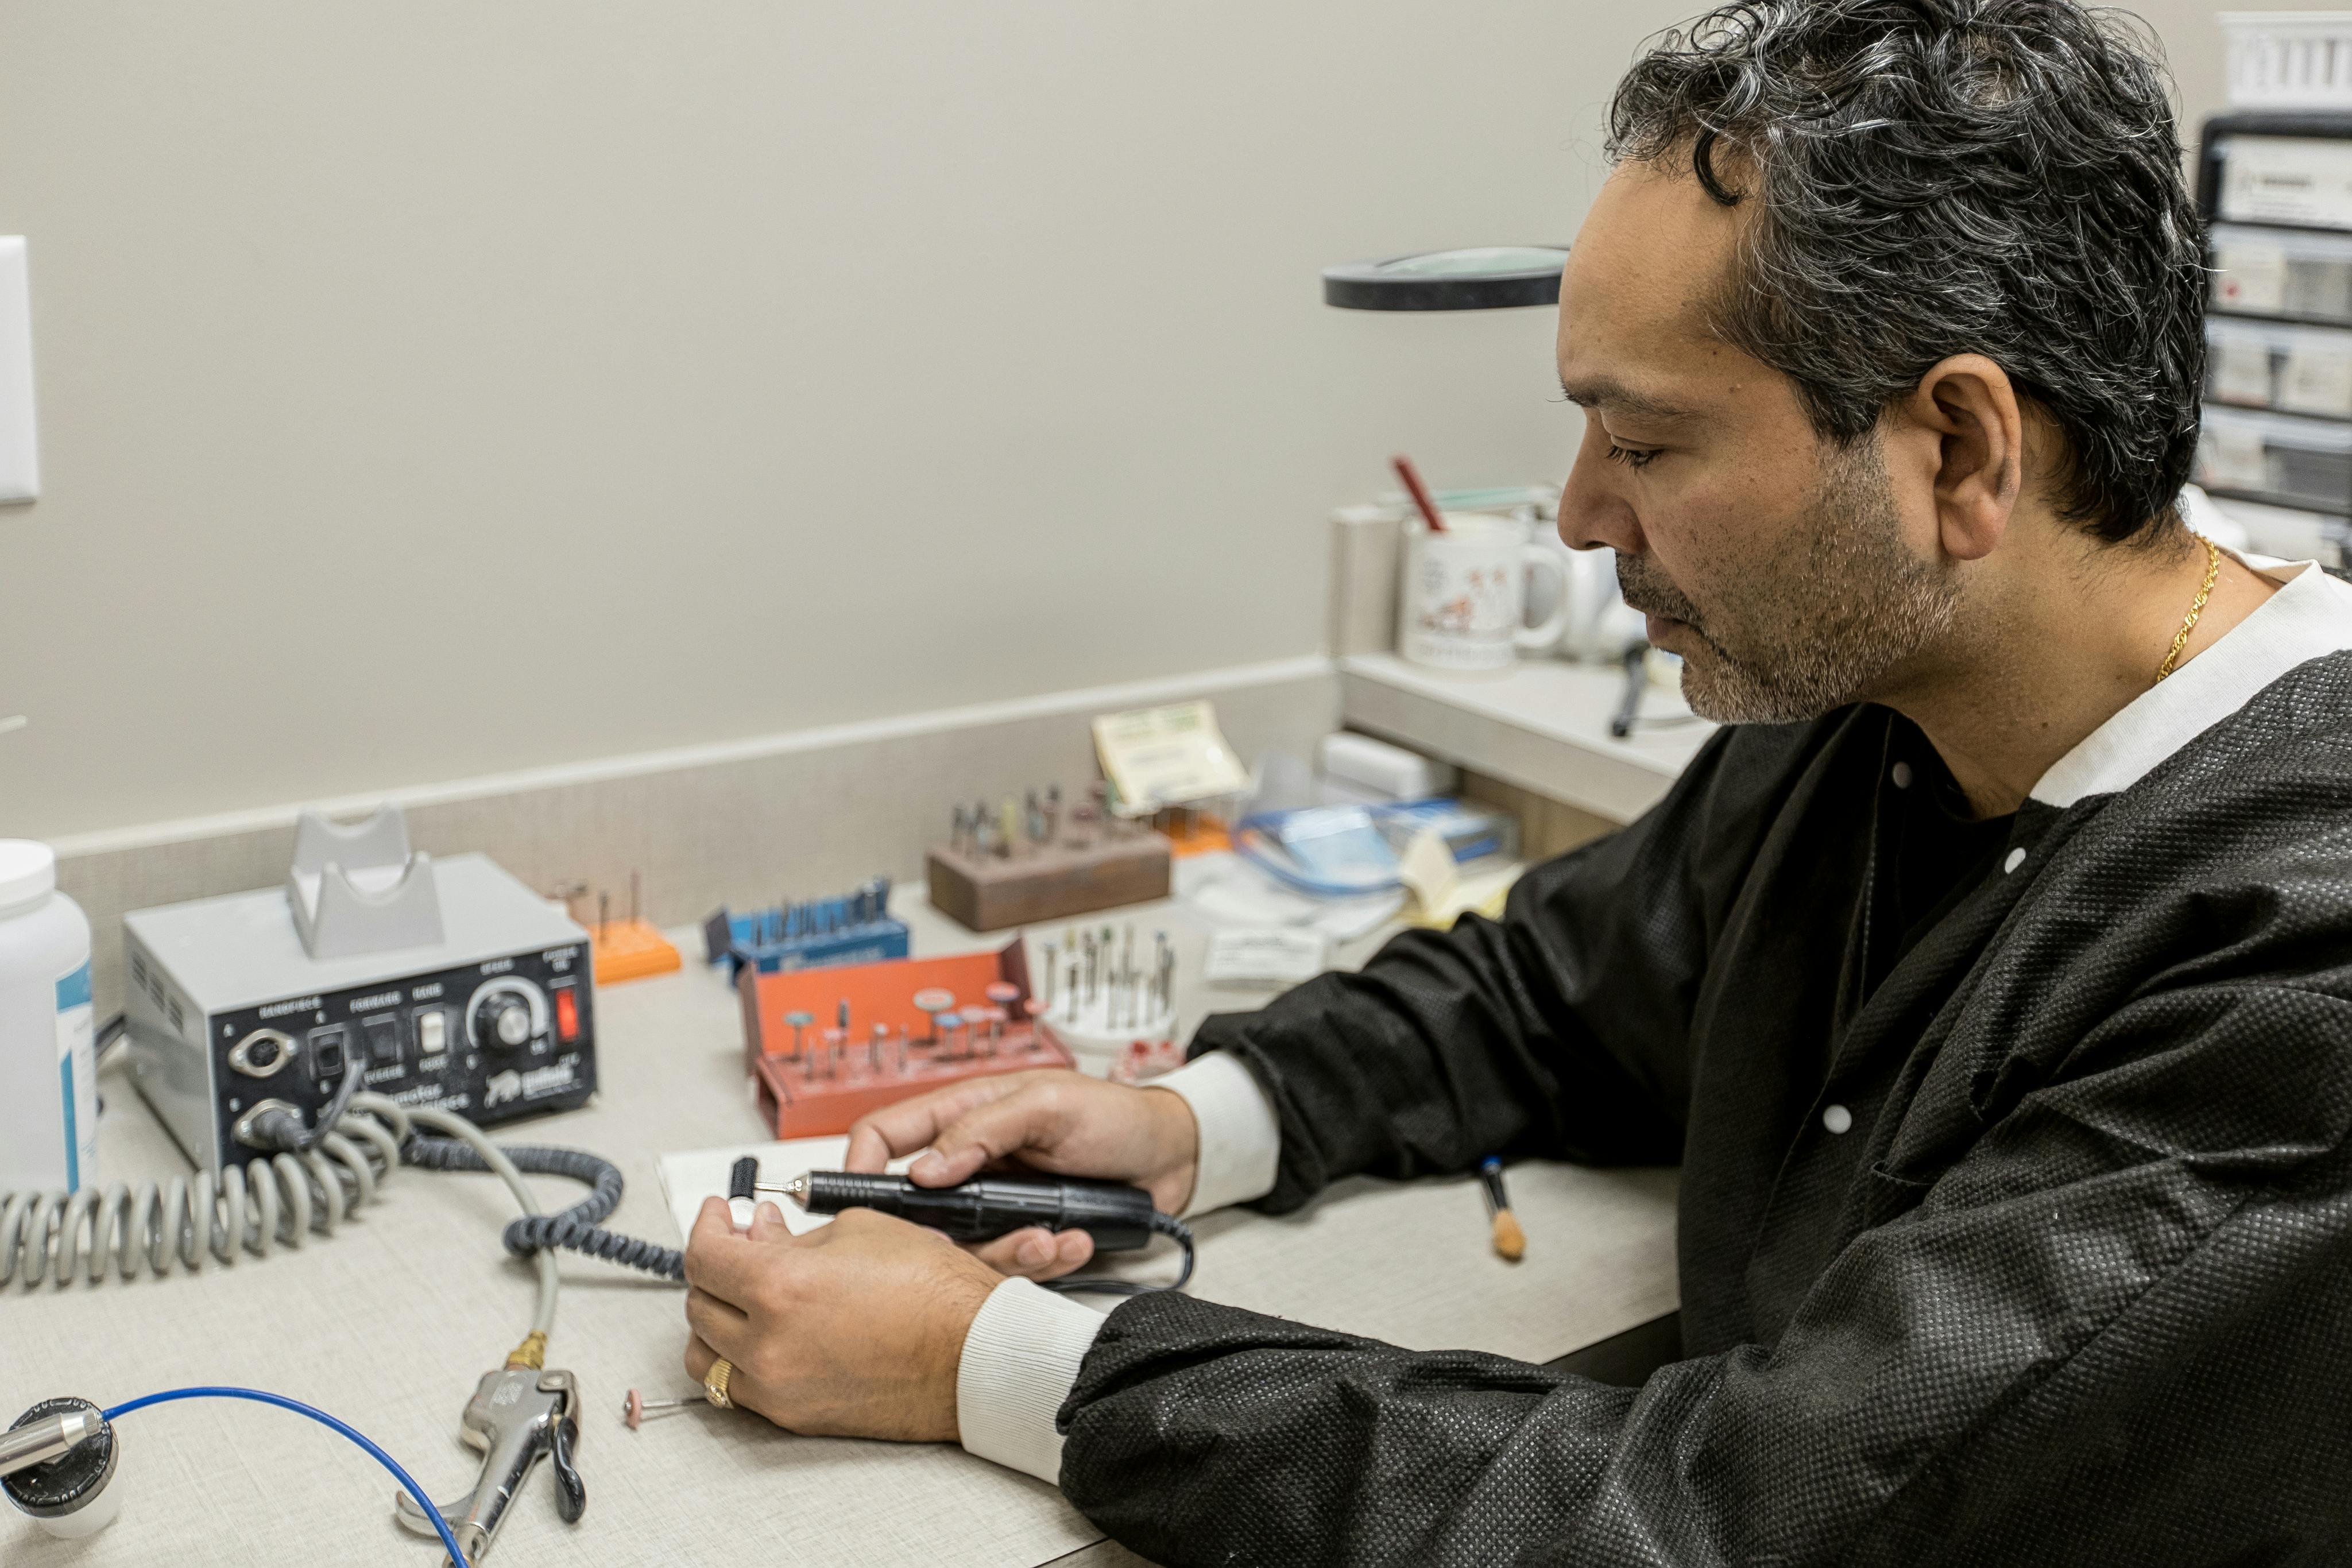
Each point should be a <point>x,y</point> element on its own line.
<point>407,1481</point>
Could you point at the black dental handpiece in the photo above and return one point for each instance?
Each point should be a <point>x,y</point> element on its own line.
<point>1119,1217</point>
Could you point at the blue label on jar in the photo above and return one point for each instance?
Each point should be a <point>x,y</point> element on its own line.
<point>73,1134</point>
<point>77,1077</point>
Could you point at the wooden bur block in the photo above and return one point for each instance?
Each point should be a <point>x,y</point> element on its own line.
<point>1049,882</point>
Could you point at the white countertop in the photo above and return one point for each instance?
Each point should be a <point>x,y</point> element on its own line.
<point>389,1323</point>
<point>1542,725</point>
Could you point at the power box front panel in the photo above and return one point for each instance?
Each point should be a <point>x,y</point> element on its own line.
<point>490,1040</point>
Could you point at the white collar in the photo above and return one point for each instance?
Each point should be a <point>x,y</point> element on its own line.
<point>2308,617</point>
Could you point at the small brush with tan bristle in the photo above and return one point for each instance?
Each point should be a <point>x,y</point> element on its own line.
<point>1510,1241</point>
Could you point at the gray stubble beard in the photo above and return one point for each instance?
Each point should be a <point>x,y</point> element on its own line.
<point>1810,635</point>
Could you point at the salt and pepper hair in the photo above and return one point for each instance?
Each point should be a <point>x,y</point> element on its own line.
<point>1937,177</point>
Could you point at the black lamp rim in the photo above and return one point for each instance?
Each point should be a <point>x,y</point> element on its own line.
<point>1368,286</point>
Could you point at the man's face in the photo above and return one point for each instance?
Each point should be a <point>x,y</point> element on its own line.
<point>1786,571</point>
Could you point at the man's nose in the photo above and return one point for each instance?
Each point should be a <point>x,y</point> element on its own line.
<point>1593,511</point>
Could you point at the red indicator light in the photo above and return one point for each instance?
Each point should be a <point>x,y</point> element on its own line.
<point>567,1016</point>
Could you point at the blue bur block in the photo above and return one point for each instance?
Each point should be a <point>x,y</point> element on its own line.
<point>856,928</point>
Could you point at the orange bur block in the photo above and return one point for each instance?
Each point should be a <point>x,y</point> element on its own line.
<point>630,950</point>
<point>1207,835</point>
<point>803,1100</point>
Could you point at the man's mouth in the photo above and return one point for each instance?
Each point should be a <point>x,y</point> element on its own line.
<point>1663,613</point>
<point>1666,617</point>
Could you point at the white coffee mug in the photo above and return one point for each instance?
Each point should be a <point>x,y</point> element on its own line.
<point>1591,632</point>
<point>1461,595</point>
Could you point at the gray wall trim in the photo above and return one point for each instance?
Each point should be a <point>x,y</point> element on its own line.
<point>808,813</point>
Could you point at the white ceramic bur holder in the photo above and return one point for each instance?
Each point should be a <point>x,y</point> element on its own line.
<point>1462,593</point>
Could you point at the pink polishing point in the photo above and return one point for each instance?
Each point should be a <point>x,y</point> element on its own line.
<point>636,1409</point>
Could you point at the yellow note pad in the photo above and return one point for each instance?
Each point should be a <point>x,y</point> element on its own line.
<point>1429,870</point>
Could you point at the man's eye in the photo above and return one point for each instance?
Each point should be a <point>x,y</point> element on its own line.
<point>1632,457</point>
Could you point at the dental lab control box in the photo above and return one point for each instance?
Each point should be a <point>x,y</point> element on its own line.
<point>228,1012</point>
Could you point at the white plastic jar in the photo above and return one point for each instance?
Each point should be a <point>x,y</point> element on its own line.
<point>48,1068</point>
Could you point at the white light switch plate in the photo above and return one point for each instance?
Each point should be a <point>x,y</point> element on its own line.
<point>20,462</point>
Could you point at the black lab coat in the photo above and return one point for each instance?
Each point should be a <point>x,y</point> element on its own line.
<point>2074,1288</point>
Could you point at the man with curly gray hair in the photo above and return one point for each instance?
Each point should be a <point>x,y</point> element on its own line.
<point>1989,974</point>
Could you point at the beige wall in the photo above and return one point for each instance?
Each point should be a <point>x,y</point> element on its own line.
<point>432,388</point>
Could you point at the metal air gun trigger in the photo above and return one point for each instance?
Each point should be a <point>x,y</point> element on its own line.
<point>518,1416</point>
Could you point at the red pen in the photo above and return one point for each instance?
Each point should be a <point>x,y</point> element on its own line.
<point>1418,492</point>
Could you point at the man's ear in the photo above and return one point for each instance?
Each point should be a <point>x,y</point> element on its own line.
<point>1967,407</point>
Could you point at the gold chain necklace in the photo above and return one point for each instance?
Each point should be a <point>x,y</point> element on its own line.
<point>2189,624</point>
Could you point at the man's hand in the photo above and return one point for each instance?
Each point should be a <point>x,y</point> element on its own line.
<point>1057,1121</point>
<point>855,1329</point>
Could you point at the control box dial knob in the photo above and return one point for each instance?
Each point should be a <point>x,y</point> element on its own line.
<point>502,1022</point>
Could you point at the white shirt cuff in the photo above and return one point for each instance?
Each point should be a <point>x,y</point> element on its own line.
<point>1021,1358</point>
<point>1241,1140</point>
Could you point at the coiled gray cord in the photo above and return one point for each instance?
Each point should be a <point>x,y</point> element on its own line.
<point>577,1229</point>
<point>276,1200</point>
<point>270,1203</point>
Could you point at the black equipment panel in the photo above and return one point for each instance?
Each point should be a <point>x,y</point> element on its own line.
<point>433,1038</point>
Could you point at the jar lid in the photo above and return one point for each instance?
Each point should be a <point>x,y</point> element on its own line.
<point>29,871</point>
<point>71,1482</point>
